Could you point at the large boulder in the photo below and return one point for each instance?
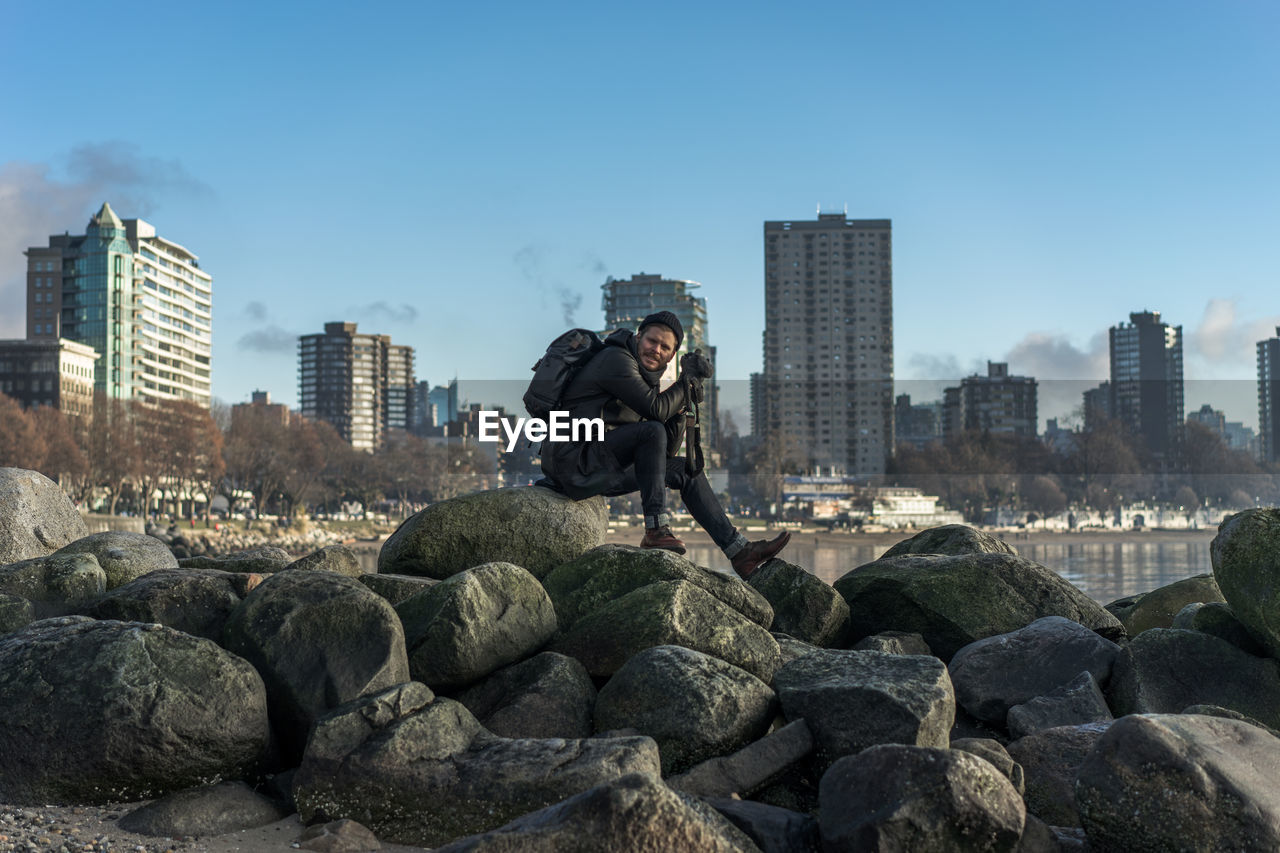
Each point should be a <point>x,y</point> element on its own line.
<point>338,559</point>
<point>772,828</point>
<point>1181,782</point>
<point>675,613</point>
<point>530,526</point>
<point>1050,760</point>
<point>1157,608</point>
<point>950,539</point>
<point>581,587</point>
<point>1246,564</point>
<point>1074,703</point>
<point>548,695</point>
<point>319,640</point>
<point>194,601</point>
<point>992,752</point>
<point>396,588</point>
<point>1164,670</point>
<point>418,769</point>
<point>1216,618</point>
<point>894,797</point>
<point>693,705</point>
<point>99,712</point>
<point>954,600</point>
<point>263,560</point>
<point>477,621</point>
<point>750,768</point>
<point>994,674</point>
<point>15,612</point>
<point>36,516</point>
<point>204,810</point>
<point>853,700</point>
<point>804,606</point>
<point>55,584</point>
<point>124,556</point>
<point>632,813</point>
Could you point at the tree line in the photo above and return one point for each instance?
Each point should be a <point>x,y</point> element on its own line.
<point>133,456</point>
<point>1100,468</point>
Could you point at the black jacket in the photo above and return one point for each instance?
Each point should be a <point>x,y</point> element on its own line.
<point>615,387</point>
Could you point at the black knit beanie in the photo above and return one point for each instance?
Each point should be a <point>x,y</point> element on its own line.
<point>665,318</point>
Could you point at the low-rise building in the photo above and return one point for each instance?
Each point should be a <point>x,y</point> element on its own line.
<point>56,373</point>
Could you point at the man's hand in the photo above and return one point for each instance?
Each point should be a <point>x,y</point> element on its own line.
<point>695,388</point>
<point>695,365</point>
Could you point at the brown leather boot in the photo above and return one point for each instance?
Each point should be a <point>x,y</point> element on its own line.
<point>749,558</point>
<point>661,537</point>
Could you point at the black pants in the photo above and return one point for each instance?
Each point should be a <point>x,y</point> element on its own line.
<point>641,450</point>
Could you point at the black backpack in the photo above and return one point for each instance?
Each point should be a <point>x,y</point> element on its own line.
<point>556,369</point>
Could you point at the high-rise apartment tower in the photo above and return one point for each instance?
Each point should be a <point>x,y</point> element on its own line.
<point>1146,381</point>
<point>140,300</point>
<point>1269,397</point>
<point>359,383</point>
<point>828,341</point>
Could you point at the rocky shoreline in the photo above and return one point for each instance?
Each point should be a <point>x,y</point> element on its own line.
<point>508,679</point>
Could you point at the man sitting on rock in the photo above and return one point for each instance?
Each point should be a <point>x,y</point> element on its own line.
<point>643,430</point>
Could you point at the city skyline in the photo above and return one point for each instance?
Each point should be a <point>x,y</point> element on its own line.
<point>465,182</point>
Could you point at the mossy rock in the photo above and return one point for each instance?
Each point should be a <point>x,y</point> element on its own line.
<point>952,601</point>
<point>581,587</point>
<point>533,527</point>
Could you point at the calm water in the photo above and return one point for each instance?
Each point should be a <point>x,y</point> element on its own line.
<point>1104,571</point>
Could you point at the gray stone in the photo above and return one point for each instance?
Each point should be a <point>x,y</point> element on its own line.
<point>773,829</point>
<point>422,770</point>
<point>1227,713</point>
<point>1217,619</point>
<point>853,700</point>
<point>1246,564</point>
<point>693,705</point>
<point>474,623</point>
<point>804,606</point>
<point>124,556</point>
<point>194,601</point>
<point>206,810</point>
<point>1163,670</point>
<point>338,836</point>
<point>894,797</point>
<point>952,601</point>
<point>548,695</point>
<point>791,648</point>
<point>1181,782</point>
<point>109,711</point>
<point>1039,837</point>
<point>1157,608</point>
<point>56,584</point>
<point>265,560</point>
<point>580,588</point>
<point>1122,607</point>
<point>396,588</point>
<point>319,640</point>
<point>632,813</point>
<point>994,753</point>
<point>338,559</point>
<point>950,539</point>
<point>1074,703</point>
<point>750,768</point>
<point>532,527</point>
<point>996,673</point>
<point>36,517</point>
<point>15,612</point>
<point>675,613</point>
<point>894,643</point>
<point>1050,760</point>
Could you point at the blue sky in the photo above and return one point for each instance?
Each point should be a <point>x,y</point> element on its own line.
<point>463,177</point>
